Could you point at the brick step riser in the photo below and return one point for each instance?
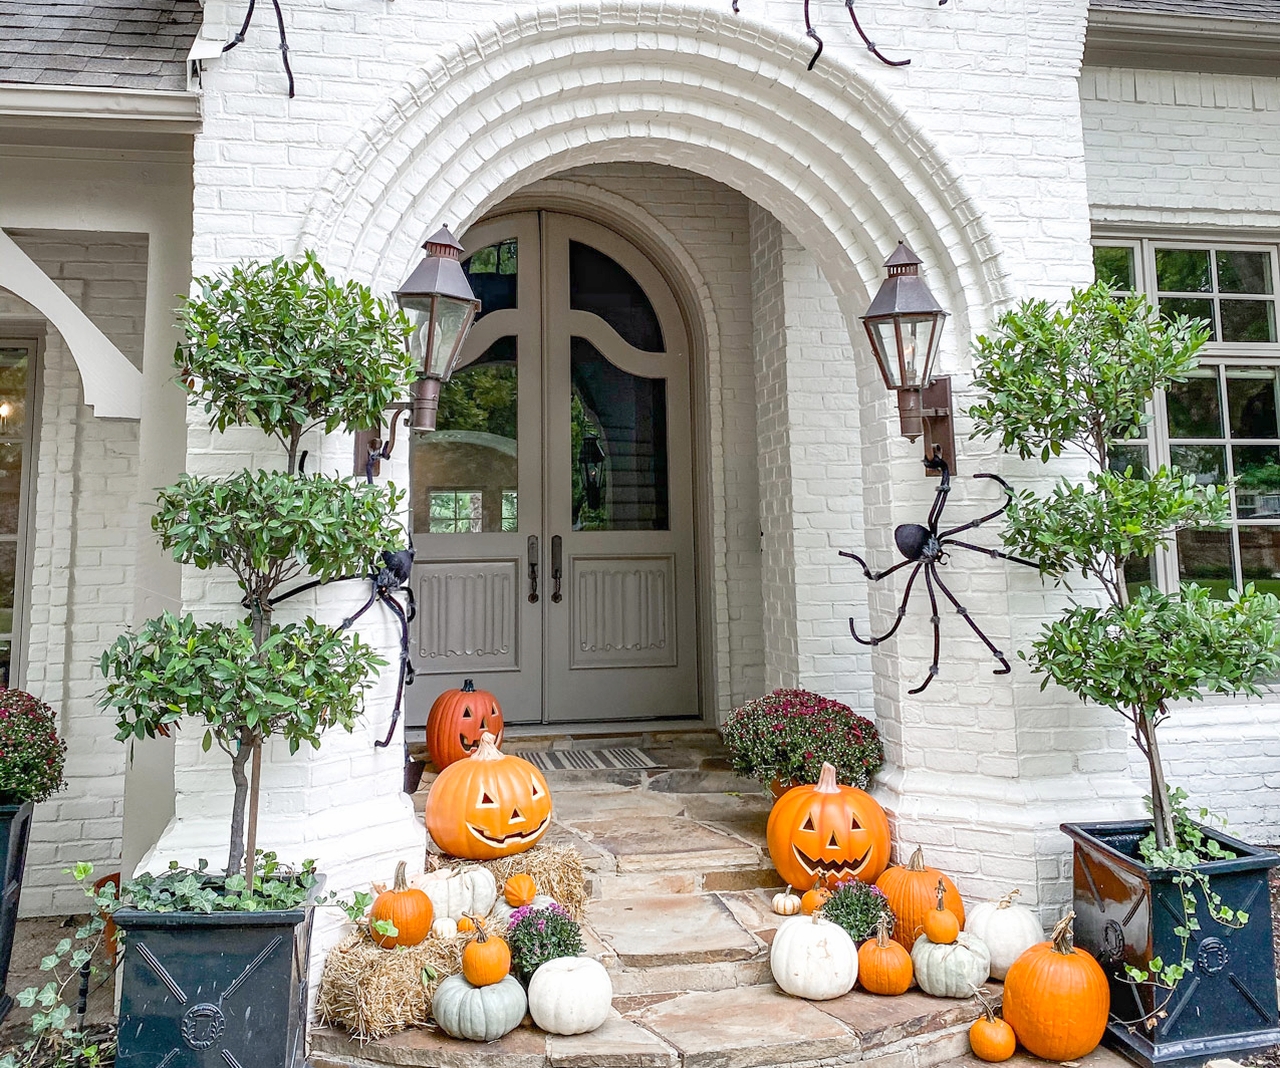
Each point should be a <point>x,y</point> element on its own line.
<point>687,978</point>
<point>613,885</point>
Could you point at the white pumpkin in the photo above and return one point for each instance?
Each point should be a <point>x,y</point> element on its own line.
<point>955,970</point>
<point>1006,928</point>
<point>445,928</point>
<point>813,958</point>
<point>502,911</point>
<point>454,893</point>
<point>570,995</point>
<point>480,1013</point>
<point>786,903</point>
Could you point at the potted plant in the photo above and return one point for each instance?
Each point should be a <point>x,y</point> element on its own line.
<point>31,761</point>
<point>283,347</point>
<point>1176,911</point>
<point>784,738</point>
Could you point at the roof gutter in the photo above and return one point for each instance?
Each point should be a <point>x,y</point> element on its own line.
<point>1163,41</point>
<point>82,107</point>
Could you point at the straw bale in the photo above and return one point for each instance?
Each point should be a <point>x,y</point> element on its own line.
<point>374,992</point>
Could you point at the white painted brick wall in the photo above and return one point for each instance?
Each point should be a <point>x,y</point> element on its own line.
<point>83,550</point>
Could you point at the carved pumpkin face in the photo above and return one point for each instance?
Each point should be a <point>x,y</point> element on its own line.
<point>488,806</point>
<point>828,833</point>
<point>457,720</point>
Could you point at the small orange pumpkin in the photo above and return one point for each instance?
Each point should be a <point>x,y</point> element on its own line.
<point>884,967</point>
<point>468,923</point>
<point>408,909</point>
<point>828,832</point>
<point>1056,997</point>
<point>486,959</point>
<point>991,1038</point>
<point>940,925</point>
<point>519,890</point>
<point>457,720</point>
<point>812,900</point>
<point>912,893</point>
<point>488,806</point>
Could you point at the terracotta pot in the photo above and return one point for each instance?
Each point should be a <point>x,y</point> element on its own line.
<point>777,787</point>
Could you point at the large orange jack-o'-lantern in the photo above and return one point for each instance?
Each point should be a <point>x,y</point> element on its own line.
<point>828,833</point>
<point>488,806</point>
<point>456,721</point>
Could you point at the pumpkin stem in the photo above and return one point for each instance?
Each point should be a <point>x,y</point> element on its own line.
<point>882,931</point>
<point>942,894</point>
<point>400,884</point>
<point>984,999</point>
<point>827,781</point>
<point>916,863</point>
<point>468,686</point>
<point>487,749</point>
<point>1063,937</point>
<point>1007,900</point>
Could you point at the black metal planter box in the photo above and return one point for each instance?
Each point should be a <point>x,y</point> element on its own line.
<point>226,990</point>
<point>15,831</point>
<point>1126,914</point>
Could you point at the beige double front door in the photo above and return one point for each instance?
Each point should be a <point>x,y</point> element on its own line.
<point>553,505</point>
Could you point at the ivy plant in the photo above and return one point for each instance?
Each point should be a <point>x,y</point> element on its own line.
<point>1079,379</point>
<point>284,346</point>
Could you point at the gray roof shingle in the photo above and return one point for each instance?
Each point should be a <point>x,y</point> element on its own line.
<point>108,43</point>
<point>1257,10</point>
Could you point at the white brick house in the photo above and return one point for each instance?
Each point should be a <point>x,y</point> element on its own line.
<point>590,150</point>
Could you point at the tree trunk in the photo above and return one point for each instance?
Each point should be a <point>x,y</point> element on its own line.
<point>236,854</point>
<point>251,847</point>
<point>1161,817</point>
<point>260,615</point>
<point>294,440</point>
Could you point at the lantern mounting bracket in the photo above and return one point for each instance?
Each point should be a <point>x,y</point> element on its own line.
<point>939,430</point>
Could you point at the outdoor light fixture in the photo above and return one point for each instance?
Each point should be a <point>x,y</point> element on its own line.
<point>591,460</point>
<point>442,307</point>
<point>904,326</point>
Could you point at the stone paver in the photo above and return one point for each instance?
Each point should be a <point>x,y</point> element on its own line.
<point>661,843</point>
<point>428,1048</point>
<point>651,932</point>
<point>1099,1058</point>
<point>617,1042</point>
<point>747,1027</point>
<point>881,1021</point>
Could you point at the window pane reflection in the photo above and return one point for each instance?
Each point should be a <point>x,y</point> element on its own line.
<point>1260,557</point>
<point>1251,399</point>
<point>493,272</point>
<point>1204,557</point>
<point>602,286</point>
<point>1257,471</point>
<point>619,445</point>
<point>1207,462</point>
<point>1194,411</point>
<point>1114,265</point>
<point>464,474</point>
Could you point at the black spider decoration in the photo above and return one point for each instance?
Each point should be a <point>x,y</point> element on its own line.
<point>238,39</point>
<point>812,34</point>
<point>926,547</point>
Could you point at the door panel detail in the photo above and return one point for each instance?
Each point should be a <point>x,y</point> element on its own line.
<point>622,611</point>
<point>467,615</point>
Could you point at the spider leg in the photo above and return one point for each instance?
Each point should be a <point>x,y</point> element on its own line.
<point>811,33</point>
<point>867,571</point>
<point>990,516</point>
<point>993,553</point>
<point>405,667</point>
<point>346,623</point>
<point>1004,668</point>
<point>902,610</point>
<point>941,493</point>
<point>937,633</point>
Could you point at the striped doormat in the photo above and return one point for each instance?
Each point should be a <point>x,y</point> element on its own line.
<point>590,759</point>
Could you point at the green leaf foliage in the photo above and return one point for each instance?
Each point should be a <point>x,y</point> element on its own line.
<point>284,346</point>
<point>1079,375</point>
<point>1162,647</point>
<point>305,678</point>
<point>269,528</point>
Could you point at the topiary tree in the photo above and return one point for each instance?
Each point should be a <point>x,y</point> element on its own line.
<point>1080,379</point>
<point>284,347</point>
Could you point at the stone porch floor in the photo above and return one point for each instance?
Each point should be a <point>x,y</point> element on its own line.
<point>680,887</point>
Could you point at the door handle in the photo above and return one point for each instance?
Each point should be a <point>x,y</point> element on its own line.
<point>533,568</point>
<point>557,555</point>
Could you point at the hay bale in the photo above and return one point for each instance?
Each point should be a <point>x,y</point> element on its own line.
<point>374,992</point>
<point>557,871</point>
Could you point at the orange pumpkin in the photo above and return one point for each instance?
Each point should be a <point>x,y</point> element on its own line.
<point>488,806</point>
<point>486,959</point>
<point>884,967</point>
<point>457,720</point>
<point>468,923</point>
<point>812,900</point>
<point>519,890</point>
<point>1056,997</point>
<point>827,832</point>
<point>408,909</point>
<point>991,1038</point>
<point>912,893</point>
<point>940,924</point>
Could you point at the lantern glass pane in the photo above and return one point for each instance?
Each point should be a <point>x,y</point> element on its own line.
<point>451,319</point>
<point>917,342</point>
<point>885,338</point>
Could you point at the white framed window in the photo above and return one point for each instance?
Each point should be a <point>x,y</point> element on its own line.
<point>19,365</point>
<point>1221,424</point>
<point>457,511</point>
